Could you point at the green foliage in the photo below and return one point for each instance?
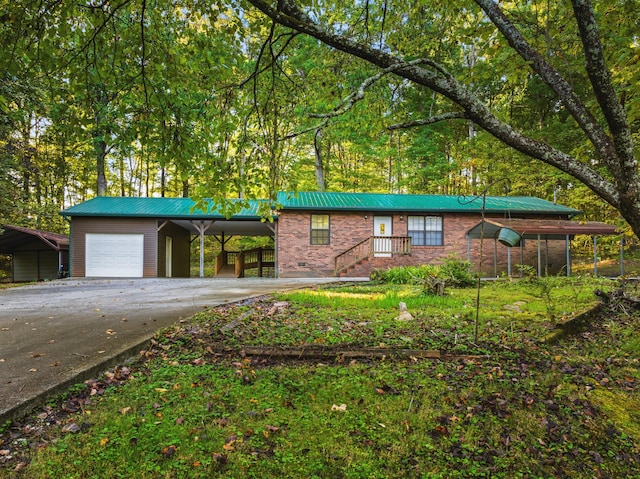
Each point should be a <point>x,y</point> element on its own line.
<point>452,272</point>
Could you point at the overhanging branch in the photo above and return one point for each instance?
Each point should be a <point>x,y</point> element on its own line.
<point>553,79</point>
<point>350,101</point>
<point>288,13</point>
<point>454,115</point>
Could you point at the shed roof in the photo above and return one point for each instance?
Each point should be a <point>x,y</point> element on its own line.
<point>14,237</point>
<point>186,208</point>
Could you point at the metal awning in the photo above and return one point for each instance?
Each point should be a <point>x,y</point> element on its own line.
<point>543,229</point>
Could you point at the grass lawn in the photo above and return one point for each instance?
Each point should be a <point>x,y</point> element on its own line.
<point>504,405</point>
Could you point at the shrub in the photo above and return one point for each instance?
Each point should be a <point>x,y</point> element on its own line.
<point>451,272</point>
<point>457,272</point>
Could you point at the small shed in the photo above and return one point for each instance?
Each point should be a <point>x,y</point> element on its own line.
<point>35,255</point>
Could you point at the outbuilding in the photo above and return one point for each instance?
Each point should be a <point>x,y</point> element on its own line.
<point>35,255</point>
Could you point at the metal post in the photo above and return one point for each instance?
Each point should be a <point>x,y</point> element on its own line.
<point>539,259</point>
<point>595,256</point>
<point>509,261</point>
<point>495,258</point>
<point>546,256</point>
<point>568,256</point>
<point>201,248</point>
<point>621,256</point>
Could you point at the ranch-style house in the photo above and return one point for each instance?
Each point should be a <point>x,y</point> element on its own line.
<point>323,234</point>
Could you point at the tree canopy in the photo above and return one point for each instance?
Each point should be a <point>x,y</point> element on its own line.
<point>247,97</point>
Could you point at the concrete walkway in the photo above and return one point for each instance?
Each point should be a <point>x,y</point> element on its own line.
<point>56,334</point>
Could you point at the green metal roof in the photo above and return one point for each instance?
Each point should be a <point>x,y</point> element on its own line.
<point>423,203</point>
<point>186,208</point>
<point>178,208</point>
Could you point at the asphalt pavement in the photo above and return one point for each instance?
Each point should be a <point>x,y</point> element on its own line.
<point>59,333</point>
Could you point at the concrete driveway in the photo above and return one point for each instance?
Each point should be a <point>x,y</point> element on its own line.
<point>56,334</point>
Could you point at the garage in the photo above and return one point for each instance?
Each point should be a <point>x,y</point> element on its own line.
<point>114,255</point>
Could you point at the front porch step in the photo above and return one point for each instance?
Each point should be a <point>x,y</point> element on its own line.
<point>358,270</point>
<point>364,267</point>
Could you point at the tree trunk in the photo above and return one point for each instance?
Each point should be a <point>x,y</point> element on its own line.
<point>100,148</point>
<point>317,147</point>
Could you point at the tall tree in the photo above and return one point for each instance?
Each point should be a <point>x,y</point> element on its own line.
<point>598,106</point>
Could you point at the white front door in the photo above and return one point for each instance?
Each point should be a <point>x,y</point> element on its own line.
<point>168,256</point>
<point>382,226</point>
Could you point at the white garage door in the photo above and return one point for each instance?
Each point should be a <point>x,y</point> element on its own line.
<point>114,255</point>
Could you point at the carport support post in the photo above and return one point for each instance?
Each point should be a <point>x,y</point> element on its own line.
<point>201,231</point>
<point>495,258</point>
<point>202,249</point>
<point>273,228</point>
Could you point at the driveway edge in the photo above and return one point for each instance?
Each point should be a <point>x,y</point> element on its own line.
<point>25,408</point>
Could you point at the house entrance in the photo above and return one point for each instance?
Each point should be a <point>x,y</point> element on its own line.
<point>382,232</point>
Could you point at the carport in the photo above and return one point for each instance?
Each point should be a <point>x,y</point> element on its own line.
<point>35,255</point>
<point>223,230</point>
<point>540,230</point>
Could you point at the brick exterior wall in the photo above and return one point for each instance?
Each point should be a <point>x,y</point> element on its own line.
<point>297,257</point>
